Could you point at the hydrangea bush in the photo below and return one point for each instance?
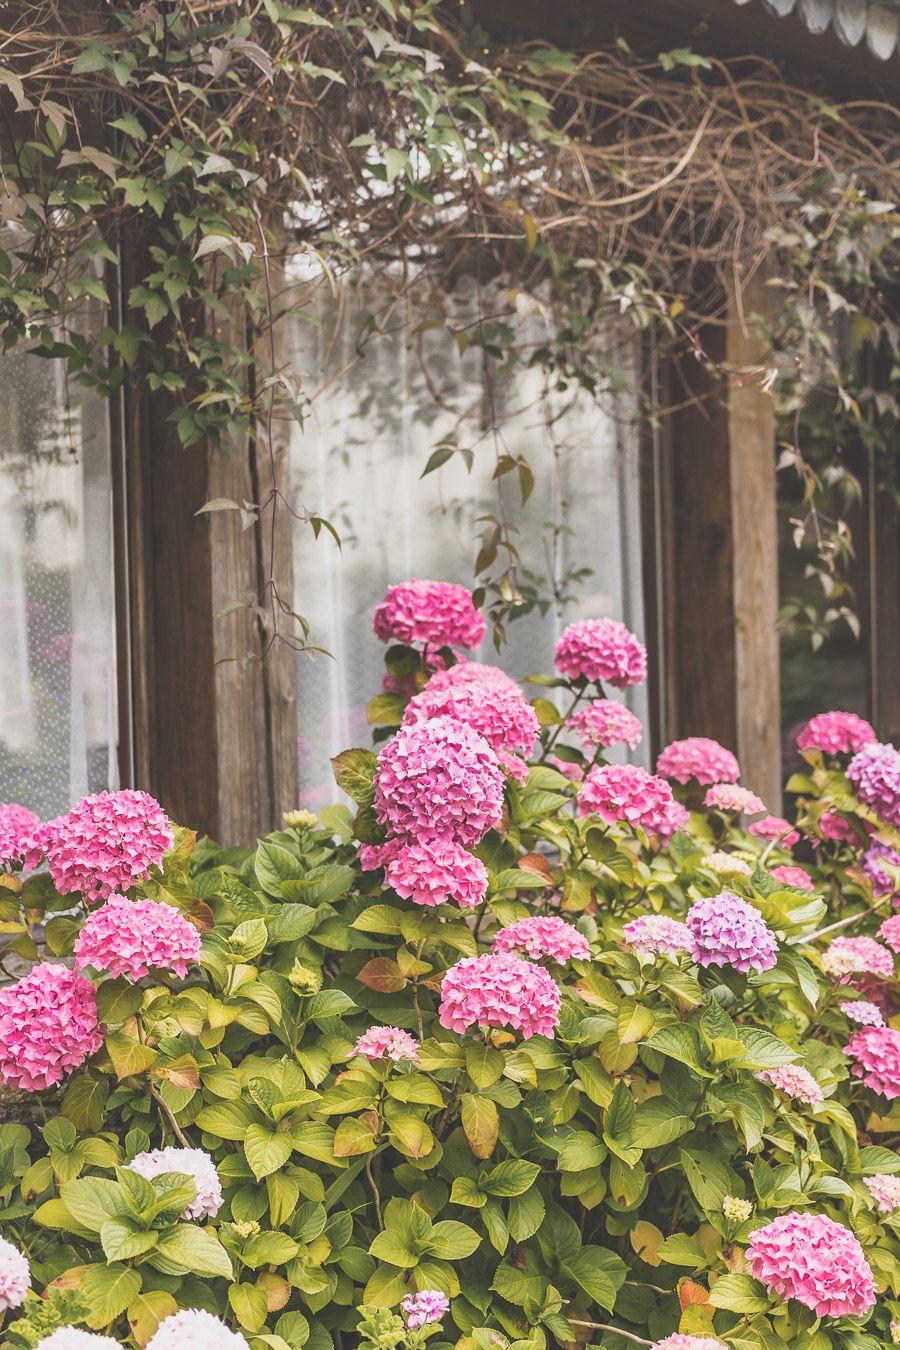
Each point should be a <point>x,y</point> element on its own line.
<point>520,1048</point>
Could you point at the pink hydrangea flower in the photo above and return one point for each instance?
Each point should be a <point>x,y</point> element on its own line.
<point>889,932</point>
<point>48,1026</point>
<point>436,613</point>
<point>499,990</point>
<point>679,1341</point>
<point>700,758</point>
<point>76,1338</point>
<point>629,794</point>
<point>732,800</point>
<point>605,723</point>
<point>775,828</point>
<point>884,1189</point>
<point>191,1162</point>
<point>544,935</point>
<point>834,827</point>
<point>373,856</point>
<point>602,651</point>
<point>810,1258</point>
<point>861,1011</point>
<point>726,864</point>
<point>472,672</point>
<point>857,956</point>
<point>726,931</point>
<point>438,780</point>
<point>794,1081</point>
<point>387,1043</point>
<point>564,766</point>
<point>872,864</point>
<point>502,716</point>
<point>836,733</point>
<point>106,843</point>
<point>19,836</point>
<point>424,1308</point>
<point>797,877</point>
<point>875,775</point>
<point>194,1329</point>
<point>657,934</point>
<point>133,937</point>
<point>876,1051</point>
<point>436,871</point>
<point>15,1276</point>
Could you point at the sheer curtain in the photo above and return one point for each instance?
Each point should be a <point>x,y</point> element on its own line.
<point>377,411</point>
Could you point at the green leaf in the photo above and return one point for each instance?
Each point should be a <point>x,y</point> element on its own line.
<point>266,1150</point>
<point>273,865</point>
<point>84,1103</point>
<point>681,1250</point>
<point>189,1250</point>
<point>249,1305</point>
<point>121,1239</point>
<point>354,772</point>
<point>395,1248</point>
<point>600,1273</point>
<point>513,1177</point>
<point>269,1248</point>
<point>106,1292</point>
<point>93,1200</point>
<point>385,710</point>
<point>618,1126</point>
<point>452,1241</point>
<point>465,1192</point>
<point>739,1293</point>
<point>484,1064</point>
<point>481,1124</point>
<point>129,1057</point>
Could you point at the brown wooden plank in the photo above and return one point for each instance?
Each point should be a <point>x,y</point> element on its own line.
<point>885,611</point>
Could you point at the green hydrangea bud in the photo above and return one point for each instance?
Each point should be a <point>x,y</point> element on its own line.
<point>245,1227</point>
<point>736,1210</point>
<point>298,819</point>
<point>305,979</point>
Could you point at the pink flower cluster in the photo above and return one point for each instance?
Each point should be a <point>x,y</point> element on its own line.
<point>438,780</point>
<point>15,1276</point>
<point>499,990</point>
<point>602,651</point>
<point>76,1338</point>
<point>698,757</point>
<point>387,1043</point>
<point>435,613</point>
<point>472,672</point>
<point>836,733</point>
<point>797,877</point>
<point>679,1341</point>
<point>794,1081</point>
<point>876,1052</point>
<point>106,843</point>
<point>133,937</point>
<point>424,1308</point>
<point>19,835</point>
<point>726,931</point>
<point>834,827</point>
<point>810,1258</point>
<point>775,828</point>
<point>657,934</point>
<point>875,775</point>
<point>857,956</point>
<point>48,1026</point>
<point>501,715</point>
<point>863,1013</point>
<point>731,800</point>
<point>629,794</point>
<point>873,860</point>
<point>605,723</point>
<point>191,1162</point>
<point>885,1191</point>
<point>544,935</point>
<point>194,1329</point>
<point>435,871</point>
<point>889,932</point>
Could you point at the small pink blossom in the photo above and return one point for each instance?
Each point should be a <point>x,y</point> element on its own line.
<point>726,931</point>
<point>810,1258</point>
<point>433,613</point>
<point>875,775</point>
<point>679,1341</point>
<point>575,772</point>
<point>501,715</point>
<point>387,1043</point>
<point>424,1308</point>
<point>605,723</point>
<point>436,871</point>
<point>191,1162</point>
<point>15,1276</point>
<point>106,843</point>
<point>133,937</point>
<point>794,1081</point>
<point>194,1329</point>
<point>833,826</point>
<point>861,1011</point>
<point>499,990</point>
<point>48,1027</point>
<point>602,651</point>
<point>884,1189</point>
<point>857,956</point>
<point>889,932</point>
<point>628,794</point>
<point>797,877</point>
<point>775,828</point>
<point>698,758</point>
<point>732,800</point>
<point>20,842</point>
<point>657,934</point>
<point>544,935</point>
<point>876,1052</point>
<point>836,733</point>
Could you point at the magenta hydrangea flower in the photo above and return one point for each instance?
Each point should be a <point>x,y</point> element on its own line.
<point>194,1329</point>
<point>810,1258</point>
<point>834,827</point>
<point>732,800</point>
<point>424,1308</point>
<point>20,841</point>
<point>836,733</point>
<point>875,775</point>
<point>602,651</point>
<point>873,860</point>
<point>658,935</point>
<point>387,1043</point>
<point>775,828</point>
<point>797,877</point>
<point>700,758</point>
<point>857,956</point>
<point>629,794</point>
<point>76,1338</point>
<point>15,1276</point>
<point>436,871</point>
<point>726,931</point>
<point>605,723</point>
<point>794,1081</point>
<point>436,613</point>
<point>133,937</point>
<point>438,780</point>
<point>861,1011</point>
<point>502,716</point>
<point>106,843</point>
<point>889,932</point>
<point>48,1027</point>
<point>679,1341</point>
<point>544,935</point>
<point>191,1162</point>
<point>884,1189</point>
<point>499,990</point>
<point>876,1051</point>
<point>472,672</point>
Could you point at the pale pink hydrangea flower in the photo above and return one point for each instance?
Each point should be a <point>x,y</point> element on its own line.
<point>438,780</point>
<point>472,672</point>
<point>726,931</point>
<point>194,1329</point>
<point>373,856</point>
<point>885,1191</point>
<point>797,877</point>
<point>629,794</point>
<point>857,956</point>
<point>834,827</point>
<point>435,613</point>
<point>794,1081</point>
<point>15,1276</point>
<point>836,733</point>
<point>774,828</point>
<point>732,800</point>
<point>875,775</point>
<point>499,990</point>
<point>658,935</point>
<point>436,871</point>
<point>191,1162</point>
<point>876,1051</point>
<point>679,1341</point>
<point>424,1308</point>
<point>20,838</point>
<point>502,716</point>
<point>861,1011</point>
<point>605,723</point>
<point>889,932</point>
<point>810,1258</point>
<point>48,1027</point>
<point>698,758</point>
<point>544,935</point>
<point>872,864</point>
<point>602,651</point>
<point>75,1338</point>
<point>106,843</point>
<point>387,1043</point>
<point>726,864</point>
<point>133,937</point>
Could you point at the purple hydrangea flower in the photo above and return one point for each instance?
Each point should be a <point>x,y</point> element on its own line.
<point>729,932</point>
